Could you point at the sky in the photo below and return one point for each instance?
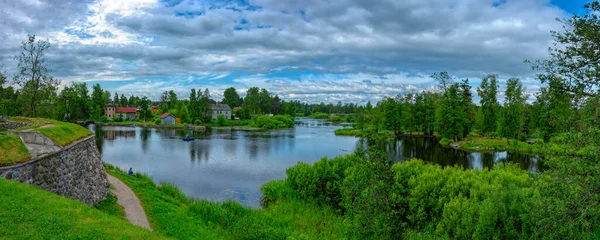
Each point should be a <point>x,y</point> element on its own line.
<point>310,50</point>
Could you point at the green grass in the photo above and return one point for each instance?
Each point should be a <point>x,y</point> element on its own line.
<point>12,150</point>
<point>173,214</point>
<point>480,143</point>
<point>65,133</point>
<point>61,132</point>
<point>32,213</point>
<point>110,206</point>
<point>364,133</point>
<point>228,123</point>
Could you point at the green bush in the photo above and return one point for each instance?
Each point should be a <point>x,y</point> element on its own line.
<point>221,119</point>
<point>157,121</point>
<point>275,122</point>
<point>319,115</point>
<point>198,122</point>
<point>104,119</point>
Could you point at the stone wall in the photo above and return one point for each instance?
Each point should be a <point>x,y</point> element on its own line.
<point>75,171</point>
<point>11,125</point>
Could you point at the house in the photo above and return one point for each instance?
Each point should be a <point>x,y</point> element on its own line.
<point>167,118</point>
<point>110,110</point>
<point>221,109</point>
<point>237,108</point>
<point>126,113</point>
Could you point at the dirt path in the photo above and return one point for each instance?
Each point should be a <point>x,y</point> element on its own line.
<point>133,209</point>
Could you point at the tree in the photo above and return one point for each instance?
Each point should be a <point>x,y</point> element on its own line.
<point>265,101</point>
<point>37,87</point>
<point>574,58</point>
<point>98,102</point>
<point>392,112</point>
<point>467,106</point>
<point>232,98</point>
<point>252,100</point>
<point>206,105</point>
<point>124,102</point>
<point>452,119</point>
<point>514,103</point>
<point>487,93</point>
<point>116,99</point>
<point>145,113</point>
<point>172,99</point>
<point>193,106</point>
<point>276,105</point>
<point>444,80</point>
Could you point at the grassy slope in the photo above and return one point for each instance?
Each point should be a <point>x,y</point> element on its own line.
<point>12,150</point>
<point>173,214</point>
<point>62,133</point>
<point>31,213</point>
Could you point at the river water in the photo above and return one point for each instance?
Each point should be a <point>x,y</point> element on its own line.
<point>226,164</point>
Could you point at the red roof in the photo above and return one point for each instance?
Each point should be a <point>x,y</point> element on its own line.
<point>165,115</point>
<point>236,108</point>
<point>126,110</point>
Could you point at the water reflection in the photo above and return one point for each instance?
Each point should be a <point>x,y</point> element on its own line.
<point>224,164</point>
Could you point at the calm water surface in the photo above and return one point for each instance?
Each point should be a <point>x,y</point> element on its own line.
<point>224,164</point>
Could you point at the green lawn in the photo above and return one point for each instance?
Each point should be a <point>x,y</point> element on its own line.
<point>60,132</point>
<point>32,213</point>
<point>12,150</point>
<point>65,133</point>
<point>173,214</point>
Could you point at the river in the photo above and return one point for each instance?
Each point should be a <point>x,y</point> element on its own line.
<point>226,164</point>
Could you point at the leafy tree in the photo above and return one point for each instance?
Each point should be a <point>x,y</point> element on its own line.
<point>145,113</point>
<point>252,100</point>
<point>172,99</point>
<point>392,112</point>
<point>467,106</point>
<point>37,86</point>
<point>265,101</point>
<point>116,99</point>
<point>98,102</point>
<point>231,97</point>
<point>206,105</point>
<point>193,106</point>
<point>514,103</point>
<point>124,102</point>
<point>453,120</point>
<point>574,58</point>
<point>487,93</point>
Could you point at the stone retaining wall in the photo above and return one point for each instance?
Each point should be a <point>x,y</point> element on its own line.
<point>34,138</point>
<point>75,171</point>
<point>11,125</point>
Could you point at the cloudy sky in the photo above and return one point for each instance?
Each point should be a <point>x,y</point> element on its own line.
<point>309,50</point>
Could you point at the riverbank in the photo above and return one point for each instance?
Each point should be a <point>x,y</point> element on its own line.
<point>173,214</point>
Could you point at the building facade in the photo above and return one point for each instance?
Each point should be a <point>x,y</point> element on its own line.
<point>221,109</point>
<point>167,118</point>
<point>110,111</point>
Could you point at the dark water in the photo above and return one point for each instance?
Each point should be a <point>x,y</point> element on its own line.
<point>223,164</point>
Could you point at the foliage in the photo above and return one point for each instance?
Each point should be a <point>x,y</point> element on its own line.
<point>37,87</point>
<point>12,150</point>
<point>487,92</point>
<point>319,115</point>
<point>453,120</point>
<point>157,121</point>
<point>198,122</point>
<point>32,213</point>
<point>221,119</point>
<point>232,98</point>
<point>173,214</point>
<point>275,122</point>
<point>514,103</point>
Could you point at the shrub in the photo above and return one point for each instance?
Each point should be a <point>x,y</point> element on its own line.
<point>157,121</point>
<point>319,115</point>
<point>103,119</point>
<point>275,122</point>
<point>198,122</point>
<point>221,119</point>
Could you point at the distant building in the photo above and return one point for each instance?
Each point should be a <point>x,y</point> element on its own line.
<point>126,113</point>
<point>110,110</point>
<point>237,108</point>
<point>221,109</point>
<point>167,118</point>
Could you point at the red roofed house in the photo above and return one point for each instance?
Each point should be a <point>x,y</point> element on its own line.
<point>167,118</point>
<point>237,108</point>
<point>126,113</point>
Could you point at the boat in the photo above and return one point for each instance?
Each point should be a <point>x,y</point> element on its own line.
<point>188,138</point>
